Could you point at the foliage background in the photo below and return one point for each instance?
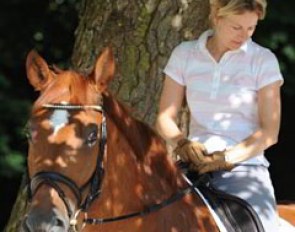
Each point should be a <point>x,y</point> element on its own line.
<point>49,27</point>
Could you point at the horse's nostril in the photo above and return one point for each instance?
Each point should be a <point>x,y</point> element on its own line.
<point>60,223</point>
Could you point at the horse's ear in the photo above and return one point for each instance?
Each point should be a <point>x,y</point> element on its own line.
<point>38,71</point>
<point>104,69</point>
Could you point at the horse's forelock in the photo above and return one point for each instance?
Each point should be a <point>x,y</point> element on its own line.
<point>68,85</point>
<point>55,69</point>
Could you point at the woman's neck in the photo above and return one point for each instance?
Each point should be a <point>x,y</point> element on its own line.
<point>215,48</point>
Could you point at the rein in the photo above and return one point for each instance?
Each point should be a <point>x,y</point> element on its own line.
<point>153,208</point>
<point>53,178</point>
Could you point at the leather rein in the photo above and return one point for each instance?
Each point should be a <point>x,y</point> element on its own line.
<point>54,178</point>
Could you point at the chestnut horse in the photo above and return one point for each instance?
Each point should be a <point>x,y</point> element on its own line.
<point>93,167</point>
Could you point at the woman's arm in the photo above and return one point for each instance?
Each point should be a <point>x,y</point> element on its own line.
<point>269,111</point>
<point>170,103</point>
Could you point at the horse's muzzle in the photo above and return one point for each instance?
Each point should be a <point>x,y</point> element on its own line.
<point>37,221</point>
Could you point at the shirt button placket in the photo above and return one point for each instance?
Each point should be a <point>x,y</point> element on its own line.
<point>215,82</point>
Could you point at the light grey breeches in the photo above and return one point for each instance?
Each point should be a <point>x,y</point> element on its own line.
<point>253,184</point>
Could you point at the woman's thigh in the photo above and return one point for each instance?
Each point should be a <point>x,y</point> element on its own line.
<point>252,184</point>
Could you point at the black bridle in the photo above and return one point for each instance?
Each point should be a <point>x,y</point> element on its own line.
<point>54,178</point>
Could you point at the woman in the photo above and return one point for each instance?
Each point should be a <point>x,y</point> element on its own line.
<point>232,87</point>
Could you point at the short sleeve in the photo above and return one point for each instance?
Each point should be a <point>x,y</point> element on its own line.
<point>268,69</point>
<point>176,64</point>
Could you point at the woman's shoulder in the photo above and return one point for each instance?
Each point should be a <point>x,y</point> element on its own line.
<point>262,51</point>
<point>186,45</point>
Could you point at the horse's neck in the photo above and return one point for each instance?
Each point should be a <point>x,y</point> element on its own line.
<point>138,135</point>
<point>141,138</point>
<point>137,170</point>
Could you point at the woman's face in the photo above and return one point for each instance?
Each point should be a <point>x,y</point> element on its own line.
<point>233,30</point>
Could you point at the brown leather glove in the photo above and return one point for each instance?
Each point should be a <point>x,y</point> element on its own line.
<point>213,162</point>
<point>190,151</point>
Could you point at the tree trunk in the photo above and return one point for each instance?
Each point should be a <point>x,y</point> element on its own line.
<point>142,35</point>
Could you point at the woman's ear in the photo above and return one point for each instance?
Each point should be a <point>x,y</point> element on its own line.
<point>213,17</point>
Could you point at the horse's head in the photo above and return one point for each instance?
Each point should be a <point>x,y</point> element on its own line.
<point>65,141</point>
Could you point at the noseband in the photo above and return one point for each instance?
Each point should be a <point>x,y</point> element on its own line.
<point>54,178</point>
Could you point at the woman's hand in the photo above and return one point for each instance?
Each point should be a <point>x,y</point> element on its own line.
<point>190,151</point>
<point>215,161</point>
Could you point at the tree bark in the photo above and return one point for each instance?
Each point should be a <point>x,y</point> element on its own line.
<point>19,208</point>
<point>142,35</point>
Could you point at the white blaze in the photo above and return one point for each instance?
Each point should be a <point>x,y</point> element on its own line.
<point>59,119</point>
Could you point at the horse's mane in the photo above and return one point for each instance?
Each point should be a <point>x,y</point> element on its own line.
<point>147,145</point>
<point>139,135</point>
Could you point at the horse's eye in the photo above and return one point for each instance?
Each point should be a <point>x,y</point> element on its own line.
<point>27,131</point>
<point>92,138</point>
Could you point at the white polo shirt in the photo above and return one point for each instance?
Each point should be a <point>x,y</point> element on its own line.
<point>222,97</point>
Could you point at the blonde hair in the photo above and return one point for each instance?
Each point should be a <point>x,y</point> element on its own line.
<point>220,8</point>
